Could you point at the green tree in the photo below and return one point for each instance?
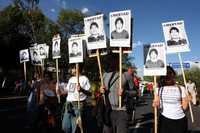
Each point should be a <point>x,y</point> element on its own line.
<point>18,30</point>
<point>70,22</point>
<point>191,74</point>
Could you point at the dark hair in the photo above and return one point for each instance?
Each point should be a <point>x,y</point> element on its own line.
<point>24,53</point>
<point>34,52</point>
<point>49,74</point>
<point>112,62</point>
<point>56,43</point>
<point>41,47</point>
<point>80,66</point>
<point>153,50</point>
<point>173,28</point>
<point>74,43</point>
<point>119,19</point>
<point>95,24</point>
<point>169,79</point>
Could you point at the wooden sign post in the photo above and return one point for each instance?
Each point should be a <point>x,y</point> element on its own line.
<point>57,80</point>
<point>100,72</point>
<point>99,65</point>
<point>79,120</point>
<point>155,109</point>
<point>184,79</point>
<point>25,70</point>
<point>120,75</point>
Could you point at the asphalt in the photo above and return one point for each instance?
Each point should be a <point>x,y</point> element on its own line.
<point>13,116</point>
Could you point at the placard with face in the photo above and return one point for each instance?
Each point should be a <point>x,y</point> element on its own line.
<point>75,48</point>
<point>120,28</point>
<point>154,59</point>
<point>43,51</point>
<point>94,31</point>
<point>24,55</point>
<point>35,56</point>
<point>56,47</point>
<point>175,37</point>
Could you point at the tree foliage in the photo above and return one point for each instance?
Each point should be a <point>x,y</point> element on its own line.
<point>191,74</point>
<point>19,29</point>
<point>70,22</point>
<point>23,24</point>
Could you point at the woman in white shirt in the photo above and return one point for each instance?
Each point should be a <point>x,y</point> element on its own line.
<point>172,101</point>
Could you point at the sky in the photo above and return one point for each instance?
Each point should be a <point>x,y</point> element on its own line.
<point>148,16</point>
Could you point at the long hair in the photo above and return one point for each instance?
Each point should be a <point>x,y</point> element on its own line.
<point>112,62</point>
<point>169,79</point>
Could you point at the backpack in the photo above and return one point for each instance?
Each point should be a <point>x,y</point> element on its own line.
<point>130,95</point>
<point>104,108</point>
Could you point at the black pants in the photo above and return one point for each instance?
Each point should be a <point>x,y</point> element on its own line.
<point>172,126</point>
<point>119,120</point>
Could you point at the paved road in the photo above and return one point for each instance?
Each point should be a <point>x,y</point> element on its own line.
<point>13,113</point>
<point>145,118</point>
<point>13,116</point>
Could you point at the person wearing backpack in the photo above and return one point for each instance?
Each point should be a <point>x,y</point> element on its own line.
<point>172,100</point>
<point>117,118</point>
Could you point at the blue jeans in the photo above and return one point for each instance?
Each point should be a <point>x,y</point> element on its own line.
<point>69,118</point>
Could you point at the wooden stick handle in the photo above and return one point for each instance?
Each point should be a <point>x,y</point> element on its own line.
<point>77,76</point>
<point>99,64</point>
<point>155,110</point>
<point>79,117</point>
<point>57,79</point>
<point>42,68</point>
<point>100,72</point>
<point>25,70</point>
<point>184,79</point>
<point>120,75</point>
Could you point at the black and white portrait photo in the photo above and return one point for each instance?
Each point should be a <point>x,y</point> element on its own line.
<point>56,47</point>
<point>154,59</point>
<point>75,48</point>
<point>43,51</point>
<point>175,37</point>
<point>35,56</point>
<point>94,31</point>
<point>24,55</point>
<point>120,28</point>
<point>119,32</point>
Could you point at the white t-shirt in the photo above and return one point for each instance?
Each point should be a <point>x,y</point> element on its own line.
<point>72,91</point>
<point>170,101</point>
<point>191,87</point>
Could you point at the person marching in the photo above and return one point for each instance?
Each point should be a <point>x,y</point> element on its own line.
<point>193,91</point>
<point>117,118</point>
<point>172,101</point>
<point>69,122</point>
